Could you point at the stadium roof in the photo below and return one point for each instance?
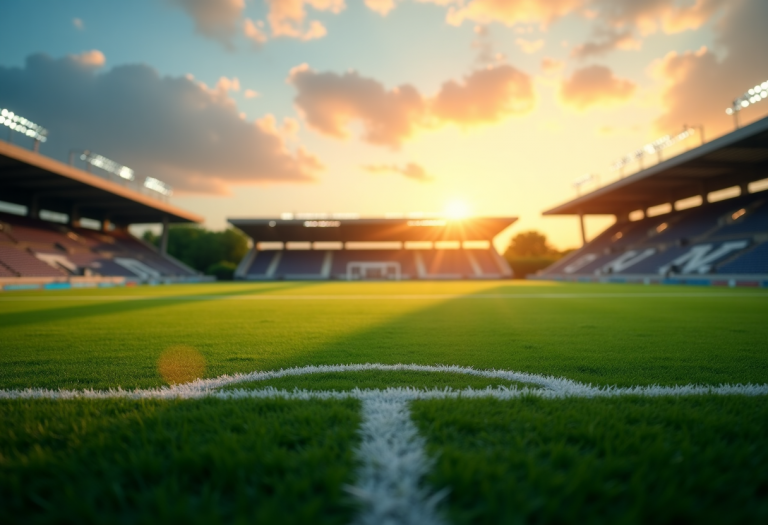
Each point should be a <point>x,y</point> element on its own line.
<point>373,230</point>
<point>736,158</point>
<point>26,175</point>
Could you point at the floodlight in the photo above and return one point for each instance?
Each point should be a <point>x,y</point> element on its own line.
<point>94,159</point>
<point>653,147</point>
<point>158,186</point>
<point>21,125</point>
<point>751,96</point>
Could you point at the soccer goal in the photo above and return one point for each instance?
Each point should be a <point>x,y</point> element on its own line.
<point>378,271</point>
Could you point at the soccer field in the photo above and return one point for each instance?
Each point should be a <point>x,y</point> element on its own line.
<point>526,403</point>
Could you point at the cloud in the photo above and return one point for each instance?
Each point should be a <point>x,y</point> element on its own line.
<point>509,12</point>
<point>287,18</point>
<point>380,6</point>
<point>78,23</point>
<point>217,19</point>
<point>698,85</point>
<point>484,45</point>
<point>595,86</point>
<point>485,95</point>
<point>90,59</point>
<point>250,93</point>
<point>529,46</point>
<point>254,31</point>
<point>650,16</point>
<point>172,128</point>
<point>411,171</point>
<point>604,41</point>
<point>331,103</point>
<point>550,66</point>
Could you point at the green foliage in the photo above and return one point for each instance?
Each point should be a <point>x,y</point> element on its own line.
<point>524,266</point>
<point>224,270</point>
<point>697,459</point>
<point>203,249</point>
<point>529,252</point>
<point>199,461</point>
<point>530,244</point>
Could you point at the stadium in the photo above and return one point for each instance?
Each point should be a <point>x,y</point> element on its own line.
<point>382,368</point>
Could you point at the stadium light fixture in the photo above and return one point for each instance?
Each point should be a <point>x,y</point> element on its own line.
<point>656,146</point>
<point>585,179</point>
<point>99,161</point>
<point>21,125</point>
<point>159,186</point>
<point>752,96</point>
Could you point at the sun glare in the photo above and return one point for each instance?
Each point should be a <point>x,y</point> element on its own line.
<point>456,209</point>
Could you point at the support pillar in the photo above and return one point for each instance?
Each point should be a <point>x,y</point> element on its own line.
<point>33,208</point>
<point>74,216</point>
<point>744,187</point>
<point>583,232</point>
<point>164,236</point>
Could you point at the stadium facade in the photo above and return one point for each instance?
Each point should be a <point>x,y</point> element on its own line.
<point>327,247</point>
<point>658,238</point>
<point>38,253</point>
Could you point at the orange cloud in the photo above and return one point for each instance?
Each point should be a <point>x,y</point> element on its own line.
<point>551,66</point>
<point>90,59</point>
<point>698,85</point>
<point>217,19</point>
<point>605,41</point>
<point>331,103</point>
<point>595,86</point>
<point>509,12</point>
<point>411,171</point>
<point>485,95</point>
<point>254,31</point>
<point>380,6</point>
<point>529,46</point>
<point>250,93</point>
<point>287,18</point>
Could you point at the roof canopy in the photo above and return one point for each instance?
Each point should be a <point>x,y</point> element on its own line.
<point>737,158</point>
<point>372,230</point>
<point>26,176</point>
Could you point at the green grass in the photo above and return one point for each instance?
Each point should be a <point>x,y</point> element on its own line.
<point>377,379</point>
<point>203,461</point>
<point>628,460</point>
<point>710,336</point>
<point>697,459</point>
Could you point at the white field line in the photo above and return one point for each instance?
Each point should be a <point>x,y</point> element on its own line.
<point>379,297</point>
<point>544,386</point>
<point>393,465</point>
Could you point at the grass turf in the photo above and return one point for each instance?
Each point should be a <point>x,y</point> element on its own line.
<point>203,461</point>
<point>116,337</point>
<point>378,379</point>
<point>627,460</point>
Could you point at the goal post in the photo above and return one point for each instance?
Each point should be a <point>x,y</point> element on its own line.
<point>368,270</point>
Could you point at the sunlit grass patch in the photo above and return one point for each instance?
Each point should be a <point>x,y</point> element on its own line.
<point>698,459</point>
<point>198,461</point>
<point>379,379</point>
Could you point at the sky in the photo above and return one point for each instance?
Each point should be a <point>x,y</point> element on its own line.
<point>253,108</point>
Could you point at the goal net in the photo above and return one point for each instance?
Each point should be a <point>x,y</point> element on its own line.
<point>378,271</point>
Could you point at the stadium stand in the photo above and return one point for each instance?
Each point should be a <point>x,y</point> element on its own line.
<point>386,253</point>
<point>36,252</point>
<point>722,242</point>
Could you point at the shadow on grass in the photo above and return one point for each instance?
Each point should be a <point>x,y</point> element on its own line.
<point>123,305</point>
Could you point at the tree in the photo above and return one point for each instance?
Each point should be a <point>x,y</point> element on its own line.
<point>204,250</point>
<point>530,244</point>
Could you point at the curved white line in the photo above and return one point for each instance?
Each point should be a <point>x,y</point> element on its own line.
<point>551,387</point>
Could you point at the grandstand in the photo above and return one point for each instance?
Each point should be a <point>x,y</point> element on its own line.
<point>326,247</point>
<point>659,237</point>
<point>35,252</point>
